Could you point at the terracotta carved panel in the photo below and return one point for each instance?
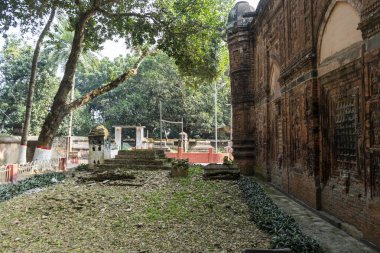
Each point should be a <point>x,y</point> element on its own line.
<point>374,77</point>
<point>375,124</point>
<point>296,118</point>
<point>345,138</point>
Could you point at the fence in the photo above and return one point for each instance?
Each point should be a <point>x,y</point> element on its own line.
<point>195,158</point>
<point>11,173</point>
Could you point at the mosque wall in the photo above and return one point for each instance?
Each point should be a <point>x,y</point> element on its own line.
<point>306,102</point>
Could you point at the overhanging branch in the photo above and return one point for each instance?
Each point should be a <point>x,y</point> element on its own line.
<point>111,85</point>
<point>125,14</point>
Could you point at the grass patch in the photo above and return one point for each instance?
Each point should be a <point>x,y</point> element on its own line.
<point>271,219</point>
<point>164,215</point>
<point>191,196</point>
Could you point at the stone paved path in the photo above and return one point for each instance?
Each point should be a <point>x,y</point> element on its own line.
<point>332,239</point>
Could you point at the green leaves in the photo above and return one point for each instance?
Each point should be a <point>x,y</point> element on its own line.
<point>268,217</point>
<point>193,36</point>
<point>15,65</point>
<point>137,102</point>
<point>39,181</point>
<point>190,31</point>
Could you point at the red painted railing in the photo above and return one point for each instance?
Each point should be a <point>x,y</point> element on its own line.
<point>209,157</point>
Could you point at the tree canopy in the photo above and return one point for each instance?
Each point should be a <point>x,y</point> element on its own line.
<point>188,31</point>
<point>15,58</point>
<point>138,102</point>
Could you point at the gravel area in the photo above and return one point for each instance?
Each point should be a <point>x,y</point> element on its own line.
<point>151,213</point>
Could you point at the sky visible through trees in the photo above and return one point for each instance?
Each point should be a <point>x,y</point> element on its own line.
<point>192,71</point>
<point>113,49</point>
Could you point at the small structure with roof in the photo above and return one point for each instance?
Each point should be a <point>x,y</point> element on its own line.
<point>96,139</point>
<point>241,15</point>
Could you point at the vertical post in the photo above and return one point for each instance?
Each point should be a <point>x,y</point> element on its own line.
<point>62,164</point>
<point>210,155</point>
<point>160,124</point>
<point>216,118</point>
<point>180,153</point>
<point>139,137</point>
<point>12,171</point>
<point>182,135</point>
<point>69,143</point>
<point>231,120</point>
<point>118,137</point>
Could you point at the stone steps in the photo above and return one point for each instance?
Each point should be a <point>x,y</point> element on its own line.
<point>133,157</point>
<point>133,167</point>
<point>138,159</point>
<point>135,161</point>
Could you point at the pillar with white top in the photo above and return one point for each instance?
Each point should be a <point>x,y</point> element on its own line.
<point>140,137</point>
<point>118,137</point>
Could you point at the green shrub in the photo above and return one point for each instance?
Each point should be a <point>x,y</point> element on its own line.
<point>82,167</point>
<point>181,164</point>
<point>38,181</point>
<point>270,218</point>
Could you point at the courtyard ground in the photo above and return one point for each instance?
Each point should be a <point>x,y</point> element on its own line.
<point>145,212</point>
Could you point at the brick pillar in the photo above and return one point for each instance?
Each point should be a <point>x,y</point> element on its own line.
<point>12,173</point>
<point>211,155</point>
<point>180,153</point>
<point>62,164</point>
<point>241,48</point>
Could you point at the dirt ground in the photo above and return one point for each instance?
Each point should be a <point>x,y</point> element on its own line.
<point>145,212</point>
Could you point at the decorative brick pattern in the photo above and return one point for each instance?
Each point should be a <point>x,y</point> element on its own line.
<point>320,139</point>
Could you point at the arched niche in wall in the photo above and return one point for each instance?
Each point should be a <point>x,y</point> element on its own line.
<point>275,89</point>
<point>339,38</point>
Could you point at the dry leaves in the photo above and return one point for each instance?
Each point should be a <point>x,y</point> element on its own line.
<point>162,215</point>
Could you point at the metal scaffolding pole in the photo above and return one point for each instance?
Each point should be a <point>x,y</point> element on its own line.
<point>216,118</point>
<point>160,124</point>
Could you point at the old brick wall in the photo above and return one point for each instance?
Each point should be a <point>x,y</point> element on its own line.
<point>307,108</point>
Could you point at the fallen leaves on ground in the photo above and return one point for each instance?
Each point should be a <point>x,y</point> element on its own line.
<point>161,214</point>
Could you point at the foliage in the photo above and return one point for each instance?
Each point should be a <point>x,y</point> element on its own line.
<point>15,64</point>
<point>227,161</point>
<point>138,103</point>
<point>39,181</point>
<point>82,167</point>
<point>270,218</point>
<point>181,164</point>
<point>189,31</point>
<point>158,79</point>
<point>28,15</point>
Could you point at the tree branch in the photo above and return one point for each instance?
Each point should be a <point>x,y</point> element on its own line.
<point>111,85</point>
<point>110,2</point>
<point>125,14</point>
<point>149,15</point>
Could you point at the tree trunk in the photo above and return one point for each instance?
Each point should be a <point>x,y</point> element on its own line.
<point>32,84</point>
<point>52,123</point>
<point>59,108</point>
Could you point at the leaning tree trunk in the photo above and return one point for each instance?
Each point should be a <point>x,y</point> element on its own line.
<point>59,109</point>
<point>32,84</point>
<point>52,124</point>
